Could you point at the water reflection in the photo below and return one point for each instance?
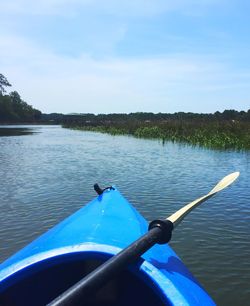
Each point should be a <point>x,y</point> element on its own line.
<point>16,131</point>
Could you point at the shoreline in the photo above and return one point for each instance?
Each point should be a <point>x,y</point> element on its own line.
<point>200,136</point>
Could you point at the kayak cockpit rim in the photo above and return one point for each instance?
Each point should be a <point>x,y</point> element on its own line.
<point>145,271</point>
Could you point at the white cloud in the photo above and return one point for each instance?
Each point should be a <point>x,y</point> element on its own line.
<point>55,83</point>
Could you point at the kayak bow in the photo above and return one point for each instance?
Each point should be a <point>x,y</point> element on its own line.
<point>65,254</point>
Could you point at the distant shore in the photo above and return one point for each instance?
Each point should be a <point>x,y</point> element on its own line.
<point>229,130</point>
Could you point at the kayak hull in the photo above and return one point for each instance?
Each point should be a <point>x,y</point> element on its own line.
<point>98,231</point>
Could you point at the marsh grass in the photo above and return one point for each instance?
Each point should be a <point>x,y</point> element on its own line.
<point>226,134</point>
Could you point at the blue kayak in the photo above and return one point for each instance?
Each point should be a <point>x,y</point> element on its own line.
<point>65,254</point>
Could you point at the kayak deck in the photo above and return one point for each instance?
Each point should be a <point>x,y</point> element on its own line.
<point>69,251</point>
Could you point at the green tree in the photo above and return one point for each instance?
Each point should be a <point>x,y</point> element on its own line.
<point>3,83</point>
<point>13,108</point>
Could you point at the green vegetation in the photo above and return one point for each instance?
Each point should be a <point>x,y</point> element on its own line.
<point>227,130</point>
<point>13,109</point>
<point>3,83</point>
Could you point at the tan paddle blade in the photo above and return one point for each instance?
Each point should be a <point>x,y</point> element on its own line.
<point>177,217</point>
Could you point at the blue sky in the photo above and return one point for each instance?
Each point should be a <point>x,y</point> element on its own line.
<point>127,56</point>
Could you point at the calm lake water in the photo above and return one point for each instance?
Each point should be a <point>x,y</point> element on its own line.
<point>48,175</point>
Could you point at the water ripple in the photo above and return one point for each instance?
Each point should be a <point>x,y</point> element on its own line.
<point>46,176</point>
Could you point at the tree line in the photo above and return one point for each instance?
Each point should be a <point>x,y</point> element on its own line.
<point>12,108</point>
<point>146,117</point>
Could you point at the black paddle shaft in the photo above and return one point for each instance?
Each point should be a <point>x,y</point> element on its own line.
<point>159,232</point>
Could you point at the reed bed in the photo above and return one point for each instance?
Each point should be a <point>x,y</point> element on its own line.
<point>226,134</point>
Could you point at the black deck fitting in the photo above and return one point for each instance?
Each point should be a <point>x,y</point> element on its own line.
<point>166,226</point>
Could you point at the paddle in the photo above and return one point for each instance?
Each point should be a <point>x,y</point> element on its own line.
<point>178,216</point>
<point>159,232</point>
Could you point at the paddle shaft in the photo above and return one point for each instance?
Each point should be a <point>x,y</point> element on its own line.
<point>159,232</point>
